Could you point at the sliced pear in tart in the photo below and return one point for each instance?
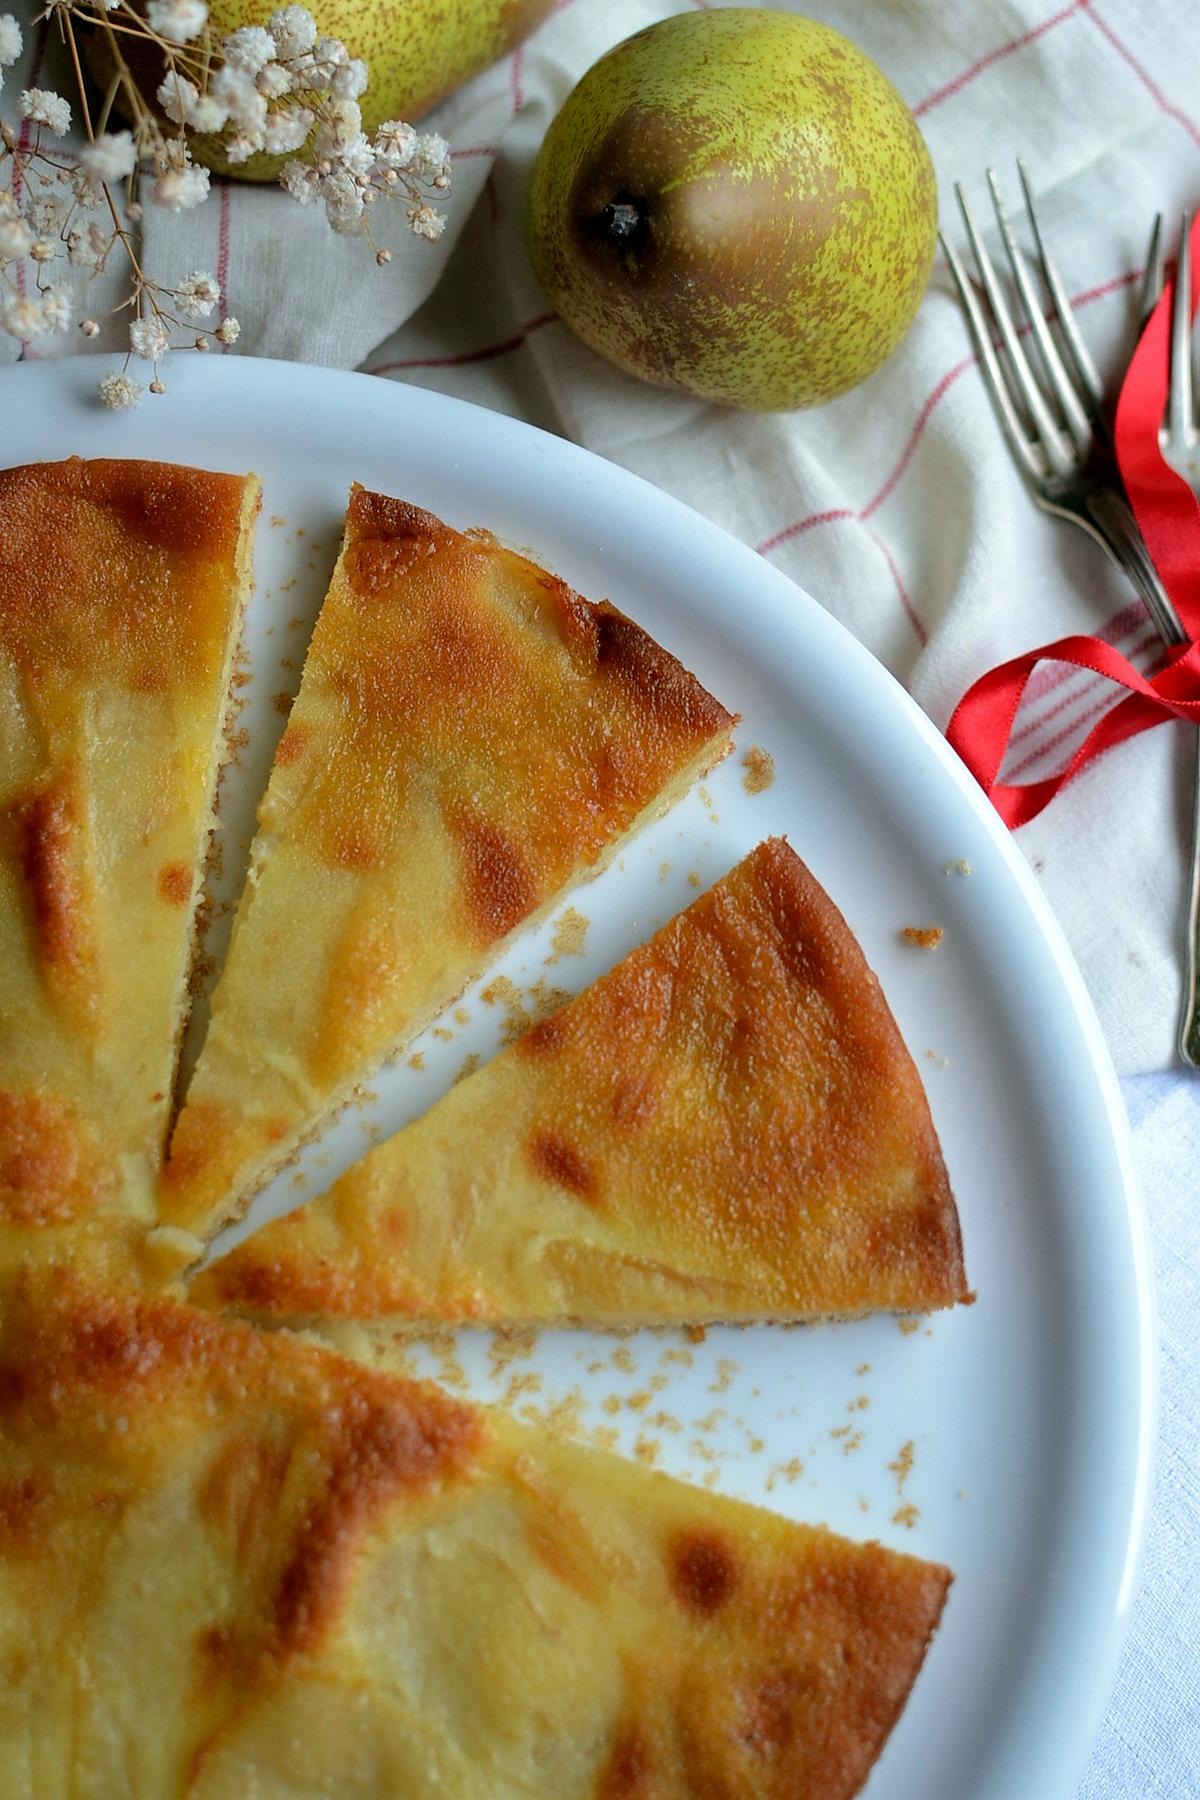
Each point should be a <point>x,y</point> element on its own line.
<point>469,738</point>
<point>237,1563</point>
<point>725,1127</point>
<point>121,594</point>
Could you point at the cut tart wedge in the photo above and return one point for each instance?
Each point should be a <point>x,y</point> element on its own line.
<point>726,1127</point>
<point>121,593</point>
<point>469,738</point>
<point>278,1572</point>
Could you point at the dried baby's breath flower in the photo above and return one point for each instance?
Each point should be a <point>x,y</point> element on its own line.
<point>349,80</point>
<point>88,248</point>
<point>46,214</point>
<point>149,338</point>
<point>287,129</point>
<point>177,95</point>
<point>61,214</point>
<point>241,144</point>
<point>10,40</point>
<point>343,202</point>
<point>302,181</point>
<point>294,31</point>
<point>110,158</point>
<point>235,91</point>
<point>424,222</point>
<point>16,239</point>
<point>274,81</point>
<point>181,189</point>
<point>118,391</point>
<point>197,294</point>
<point>58,304</point>
<point>394,143</point>
<point>43,107</point>
<point>250,48</point>
<point>179,21</point>
<point>23,318</point>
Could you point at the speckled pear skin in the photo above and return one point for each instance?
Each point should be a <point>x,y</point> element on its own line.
<point>417,51</point>
<point>776,199</point>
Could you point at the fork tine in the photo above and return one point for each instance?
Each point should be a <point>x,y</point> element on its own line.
<point>1085,368</point>
<point>1180,415</point>
<point>1153,278</point>
<point>981,337</point>
<point>1056,370</point>
<point>1055,448</point>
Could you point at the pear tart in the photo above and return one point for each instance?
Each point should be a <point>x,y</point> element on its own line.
<point>469,738</point>
<point>726,1127</point>
<point>121,592</point>
<point>232,1562</point>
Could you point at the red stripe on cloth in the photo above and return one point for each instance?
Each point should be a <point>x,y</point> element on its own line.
<point>1138,648</point>
<point>923,417</point>
<point>468,356</point>
<point>515,68</point>
<point>474,150</point>
<point>1109,702</point>
<point>833,517</point>
<point>223,247</point>
<point>1047,677</point>
<point>914,618</point>
<point>994,56</point>
<point>803,525</point>
<point>1147,80</point>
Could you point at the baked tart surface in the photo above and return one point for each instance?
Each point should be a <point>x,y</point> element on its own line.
<point>470,736</point>
<point>727,1126</point>
<point>121,591</point>
<point>236,1563</point>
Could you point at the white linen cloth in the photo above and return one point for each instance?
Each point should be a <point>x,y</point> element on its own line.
<point>896,506</point>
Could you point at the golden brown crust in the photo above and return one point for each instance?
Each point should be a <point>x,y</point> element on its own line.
<point>281,1570</point>
<point>470,737</point>
<point>86,550</point>
<point>120,594</point>
<point>49,1170</point>
<point>726,1126</point>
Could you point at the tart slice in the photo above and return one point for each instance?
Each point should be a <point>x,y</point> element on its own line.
<point>279,1572</point>
<point>469,738</point>
<point>725,1127</point>
<point>121,593</point>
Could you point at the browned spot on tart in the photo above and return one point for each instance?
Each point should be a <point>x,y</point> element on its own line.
<point>556,1160</point>
<point>175,883</point>
<point>703,1569</point>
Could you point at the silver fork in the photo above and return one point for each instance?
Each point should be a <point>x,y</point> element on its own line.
<point>1178,440</point>
<point>1055,425</point>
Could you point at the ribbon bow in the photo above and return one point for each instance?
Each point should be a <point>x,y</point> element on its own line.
<point>1169,516</point>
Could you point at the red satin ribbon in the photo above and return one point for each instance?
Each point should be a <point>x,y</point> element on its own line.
<point>1169,517</point>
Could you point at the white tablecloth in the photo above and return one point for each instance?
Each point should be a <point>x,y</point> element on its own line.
<point>898,508</point>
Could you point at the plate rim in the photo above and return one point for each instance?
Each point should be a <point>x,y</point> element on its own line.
<point>1079,1709</point>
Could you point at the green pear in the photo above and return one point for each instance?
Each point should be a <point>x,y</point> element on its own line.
<point>416,53</point>
<point>736,203</point>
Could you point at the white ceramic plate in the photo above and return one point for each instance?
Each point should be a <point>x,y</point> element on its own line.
<point>1028,1417</point>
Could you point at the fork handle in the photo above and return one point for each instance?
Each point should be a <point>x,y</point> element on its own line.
<point>1189,1019</point>
<point>1115,523</point>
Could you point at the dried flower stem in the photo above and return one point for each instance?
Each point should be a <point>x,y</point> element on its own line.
<point>279,89</point>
